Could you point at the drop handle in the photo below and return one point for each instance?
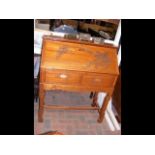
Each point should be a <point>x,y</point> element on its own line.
<point>97,80</point>
<point>63,76</point>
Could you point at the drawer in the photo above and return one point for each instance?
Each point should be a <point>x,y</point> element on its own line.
<point>98,80</point>
<point>62,77</point>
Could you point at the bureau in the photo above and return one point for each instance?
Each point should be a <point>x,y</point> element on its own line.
<point>73,65</point>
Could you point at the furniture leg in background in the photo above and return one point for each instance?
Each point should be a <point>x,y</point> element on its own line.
<point>104,105</point>
<point>91,95</point>
<point>95,96</point>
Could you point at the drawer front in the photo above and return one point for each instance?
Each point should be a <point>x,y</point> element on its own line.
<point>92,81</point>
<point>61,77</point>
<point>98,80</point>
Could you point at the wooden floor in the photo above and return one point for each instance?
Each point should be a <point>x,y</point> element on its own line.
<point>70,122</point>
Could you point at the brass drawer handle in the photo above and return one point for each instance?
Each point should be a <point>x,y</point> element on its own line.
<point>97,80</point>
<point>63,76</point>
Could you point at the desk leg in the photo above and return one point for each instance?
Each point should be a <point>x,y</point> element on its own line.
<point>95,97</point>
<point>103,108</point>
<point>41,103</point>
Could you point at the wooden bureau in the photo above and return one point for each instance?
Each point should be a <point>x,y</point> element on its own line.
<point>73,65</point>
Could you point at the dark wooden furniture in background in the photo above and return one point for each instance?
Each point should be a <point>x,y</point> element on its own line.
<point>36,76</point>
<point>91,26</point>
<point>36,89</point>
<point>73,65</point>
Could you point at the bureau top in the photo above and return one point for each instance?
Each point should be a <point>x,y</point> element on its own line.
<point>79,56</point>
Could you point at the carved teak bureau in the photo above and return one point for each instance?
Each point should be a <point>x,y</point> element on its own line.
<point>73,65</point>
